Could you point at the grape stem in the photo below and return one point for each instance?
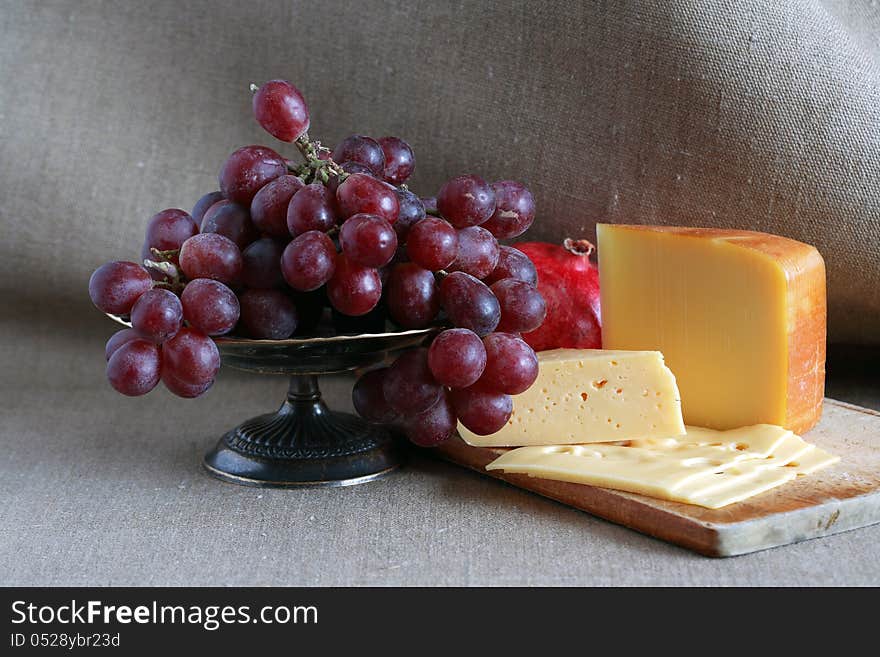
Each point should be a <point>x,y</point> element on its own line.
<point>316,168</point>
<point>432,212</point>
<point>168,269</point>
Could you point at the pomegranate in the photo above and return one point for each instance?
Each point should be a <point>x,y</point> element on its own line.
<point>569,283</point>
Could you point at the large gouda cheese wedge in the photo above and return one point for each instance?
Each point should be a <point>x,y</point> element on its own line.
<point>589,396</point>
<point>738,315</point>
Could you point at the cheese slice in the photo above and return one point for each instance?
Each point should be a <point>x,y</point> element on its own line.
<point>738,315</point>
<point>591,395</point>
<point>707,468</point>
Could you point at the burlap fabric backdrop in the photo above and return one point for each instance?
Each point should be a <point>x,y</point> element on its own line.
<point>742,114</point>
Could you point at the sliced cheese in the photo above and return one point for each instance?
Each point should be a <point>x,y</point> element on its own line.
<point>738,315</point>
<point>708,468</point>
<point>590,395</point>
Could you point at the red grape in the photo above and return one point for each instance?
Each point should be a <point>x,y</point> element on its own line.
<point>360,193</point>
<point>511,365</point>
<point>261,263</point>
<point>432,426</point>
<point>457,358</point>
<point>513,263</point>
<point>190,357</point>
<point>410,212</point>
<point>134,368</point>
<point>514,210</point>
<point>115,286</point>
<point>269,207</point>
<point>482,412</point>
<point>413,301</point>
<point>210,306</point>
<point>432,243</point>
<point>118,339</point>
<point>202,205</point>
<point>363,150</point>
<point>469,303</point>
<point>399,159</point>
<point>409,386</point>
<point>309,261</point>
<point>348,167</point>
<point>368,240</point>
<point>368,398</point>
<point>247,171</point>
<point>267,314</point>
<point>210,255</point>
<point>466,201</point>
<point>168,229</point>
<point>312,208</point>
<point>353,290</point>
<point>281,109</point>
<point>157,315</point>
<point>522,307</point>
<point>184,389</point>
<point>230,220</point>
<point>477,252</point>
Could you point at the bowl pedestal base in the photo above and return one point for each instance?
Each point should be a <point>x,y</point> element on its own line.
<point>304,444</point>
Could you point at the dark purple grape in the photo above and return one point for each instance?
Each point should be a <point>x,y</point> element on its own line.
<point>466,201</point>
<point>433,426</point>
<point>360,193</point>
<point>183,389</point>
<point>247,171</point>
<point>115,286</point>
<point>477,252</point>
<point>269,207</point>
<point>514,210</point>
<point>261,264</point>
<point>202,205</point>
<point>399,159</point>
<point>363,150</point>
<point>312,208</point>
<point>469,303</point>
<point>353,290</point>
<point>457,358</point>
<point>513,263</point>
<point>522,307</point>
<point>168,229</point>
<point>511,364</point>
<point>190,357</point>
<point>482,412</point>
<point>281,109</point>
<point>368,240</point>
<point>430,203</point>
<point>432,243</point>
<point>157,315</point>
<point>412,300</point>
<point>230,220</point>
<point>134,368</point>
<point>210,255</point>
<point>368,398</point>
<point>410,212</point>
<point>210,306</point>
<point>309,261</point>
<point>409,387</point>
<point>118,339</point>
<point>267,314</point>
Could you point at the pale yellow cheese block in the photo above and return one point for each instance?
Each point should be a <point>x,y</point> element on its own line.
<point>738,315</point>
<point>588,396</point>
<point>708,468</point>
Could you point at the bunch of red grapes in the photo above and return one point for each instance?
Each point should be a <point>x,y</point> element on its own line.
<point>279,242</point>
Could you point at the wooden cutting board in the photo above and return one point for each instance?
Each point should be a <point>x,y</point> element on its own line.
<point>839,498</point>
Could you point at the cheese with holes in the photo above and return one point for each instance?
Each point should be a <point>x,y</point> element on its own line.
<point>591,395</point>
<point>738,315</point>
<point>704,467</point>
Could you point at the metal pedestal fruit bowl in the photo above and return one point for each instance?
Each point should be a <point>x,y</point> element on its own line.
<point>304,443</point>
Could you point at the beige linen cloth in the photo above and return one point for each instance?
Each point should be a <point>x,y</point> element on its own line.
<point>756,115</point>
